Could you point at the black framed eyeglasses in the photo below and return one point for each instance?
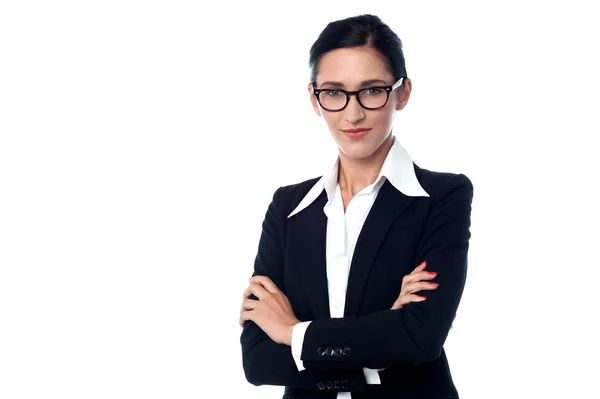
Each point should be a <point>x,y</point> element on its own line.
<point>371,98</point>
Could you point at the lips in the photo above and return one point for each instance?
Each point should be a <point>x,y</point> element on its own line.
<point>355,130</point>
<point>356,134</point>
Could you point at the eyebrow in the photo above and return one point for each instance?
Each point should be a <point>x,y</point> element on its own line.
<point>364,83</point>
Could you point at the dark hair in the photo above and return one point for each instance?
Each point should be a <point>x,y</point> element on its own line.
<point>362,30</point>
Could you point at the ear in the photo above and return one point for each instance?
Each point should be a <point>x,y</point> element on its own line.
<point>313,100</point>
<point>404,94</point>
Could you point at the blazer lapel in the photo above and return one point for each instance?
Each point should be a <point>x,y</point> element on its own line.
<point>388,206</point>
<point>310,255</point>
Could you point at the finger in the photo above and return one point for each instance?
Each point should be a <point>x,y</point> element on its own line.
<point>413,278</point>
<point>405,299</point>
<point>266,282</point>
<point>425,275</point>
<point>414,298</point>
<point>419,268</point>
<point>248,293</point>
<point>258,290</point>
<point>245,316</point>
<point>246,313</point>
<point>250,304</point>
<point>410,278</point>
<point>418,286</point>
<point>241,321</point>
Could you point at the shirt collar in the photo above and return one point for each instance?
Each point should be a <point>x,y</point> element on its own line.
<point>397,168</point>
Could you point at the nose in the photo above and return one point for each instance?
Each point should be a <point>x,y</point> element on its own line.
<point>353,112</point>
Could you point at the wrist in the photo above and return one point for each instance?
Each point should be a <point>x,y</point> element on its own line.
<point>288,336</point>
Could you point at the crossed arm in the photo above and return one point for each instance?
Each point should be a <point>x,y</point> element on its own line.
<point>407,336</point>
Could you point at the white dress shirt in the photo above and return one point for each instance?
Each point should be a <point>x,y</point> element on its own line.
<point>343,229</point>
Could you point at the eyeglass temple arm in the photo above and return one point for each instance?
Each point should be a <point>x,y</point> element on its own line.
<point>397,84</point>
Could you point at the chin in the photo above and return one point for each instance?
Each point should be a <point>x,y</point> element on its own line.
<point>358,150</point>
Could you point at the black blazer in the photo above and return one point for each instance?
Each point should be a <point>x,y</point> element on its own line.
<point>399,233</point>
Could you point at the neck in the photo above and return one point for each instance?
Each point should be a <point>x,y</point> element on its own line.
<point>356,174</point>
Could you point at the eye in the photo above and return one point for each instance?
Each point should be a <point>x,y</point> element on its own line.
<point>333,93</point>
<point>374,91</point>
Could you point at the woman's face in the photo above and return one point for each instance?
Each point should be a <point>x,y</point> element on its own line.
<point>353,69</point>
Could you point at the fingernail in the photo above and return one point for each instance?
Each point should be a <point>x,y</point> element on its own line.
<point>432,274</point>
<point>434,284</point>
<point>423,263</point>
<point>423,297</point>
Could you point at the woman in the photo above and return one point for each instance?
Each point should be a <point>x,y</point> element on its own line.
<point>336,307</point>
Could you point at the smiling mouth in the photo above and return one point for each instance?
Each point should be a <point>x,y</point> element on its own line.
<point>355,130</point>
<point>356,134</point>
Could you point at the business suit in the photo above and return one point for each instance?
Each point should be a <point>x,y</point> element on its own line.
<point>398,234</point>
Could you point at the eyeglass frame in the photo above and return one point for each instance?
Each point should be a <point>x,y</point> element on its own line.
<point>388,90</point>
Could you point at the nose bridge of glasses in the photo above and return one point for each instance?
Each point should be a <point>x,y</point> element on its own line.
<point>358,94</point>
<point>357,106</point>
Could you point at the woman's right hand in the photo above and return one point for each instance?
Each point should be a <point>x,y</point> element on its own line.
<point>414,282</point>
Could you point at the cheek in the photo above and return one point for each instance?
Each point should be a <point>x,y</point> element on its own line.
<point>332,120</point>
<point>384,118</point>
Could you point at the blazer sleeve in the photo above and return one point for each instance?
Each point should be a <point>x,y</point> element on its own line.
<point>416,333</point>
<point>266,362</point>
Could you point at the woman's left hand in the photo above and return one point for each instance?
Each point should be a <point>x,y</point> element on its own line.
<point>272,312</point>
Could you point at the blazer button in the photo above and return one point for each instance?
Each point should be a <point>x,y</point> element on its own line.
<point>329,351</point>
<point>321,351</point>
<point>347,351</point>
<point>320,386</point>
<point>337,352</point>
<point>337,385</point>
<point>344,384</point>
<point>328,384</point>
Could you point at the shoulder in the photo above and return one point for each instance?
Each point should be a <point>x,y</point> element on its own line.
<point>440,185</point>
<point>289,196</point>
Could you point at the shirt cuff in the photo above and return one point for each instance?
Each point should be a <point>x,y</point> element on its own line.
<point>298,332</point>
<point>372,376</point>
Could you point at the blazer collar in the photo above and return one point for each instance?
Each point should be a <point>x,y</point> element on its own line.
<point>398,168</point>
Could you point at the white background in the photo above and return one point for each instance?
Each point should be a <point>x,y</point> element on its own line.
<point>141,142</point>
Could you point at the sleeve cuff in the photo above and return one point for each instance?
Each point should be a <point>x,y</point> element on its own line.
<point>298,332</point>
<point>372,376</point>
